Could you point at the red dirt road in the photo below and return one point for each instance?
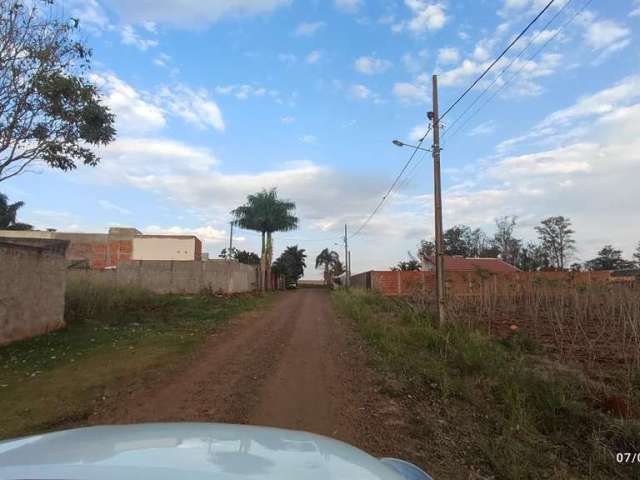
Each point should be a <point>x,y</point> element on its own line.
<point>293,365</point>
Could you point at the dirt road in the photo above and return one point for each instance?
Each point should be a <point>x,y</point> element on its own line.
<point>295,365</point>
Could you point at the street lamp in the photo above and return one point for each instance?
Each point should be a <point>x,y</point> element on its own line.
<point>398,143</point>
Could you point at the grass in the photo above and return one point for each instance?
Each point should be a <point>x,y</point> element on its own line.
<point>509,413</point>
<point>57,379</point>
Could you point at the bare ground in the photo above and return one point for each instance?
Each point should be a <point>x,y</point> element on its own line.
<point>294,365</point>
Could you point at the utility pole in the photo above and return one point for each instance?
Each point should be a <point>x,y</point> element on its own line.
<point>442,314</point>
<point>346,257</point>
<point>349,265</point>
<point>230,252</point>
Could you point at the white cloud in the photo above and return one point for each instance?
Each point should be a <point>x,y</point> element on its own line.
<point>484,128</point>
<point>192,13</point>
<point>310,139</point>
<point>90,14</point>
<point>426,16</point>
<point>359,92</point>
<point>193,106</point>
<point>242,91</point>
<point>287,120</point>
<point>208,234</point>
<point>371,65</point>
<point>133,113</point>
<point>412,93</point>
<point>417,133</point>
<point>636,10</point>
<point>308,29</point>
<point>314,57</point>
<point>448,55</point>
<point>129,36</point>
<point>606,36</point>
<point>107,205</point>
<point>348,6</point>
<point>162,60</point>
<point>414,63</point>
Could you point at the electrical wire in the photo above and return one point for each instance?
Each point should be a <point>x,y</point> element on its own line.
<point>504,52</point>
<point>517,72</point>
<point>532,40</point>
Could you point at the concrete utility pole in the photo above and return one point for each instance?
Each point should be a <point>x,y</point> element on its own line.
<point>349,265</point>
<point>346,257</point>
<point>230,252</point>
<point>435,150</point>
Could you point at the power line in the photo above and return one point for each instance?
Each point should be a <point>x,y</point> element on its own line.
<point>417,147</point>
<point>504,52</point>
<point>517,72</point>
<point>515,59</point>
<point>395,182</point>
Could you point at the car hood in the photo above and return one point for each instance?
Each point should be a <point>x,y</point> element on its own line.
<point>186,451</point>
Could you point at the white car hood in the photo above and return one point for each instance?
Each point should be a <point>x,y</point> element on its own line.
<point>186,451</point>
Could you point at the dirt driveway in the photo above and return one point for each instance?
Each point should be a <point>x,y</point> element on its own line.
<point>295,365</point>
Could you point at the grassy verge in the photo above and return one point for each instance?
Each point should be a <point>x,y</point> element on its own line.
<point>499,408</point>
<point>112,334</point>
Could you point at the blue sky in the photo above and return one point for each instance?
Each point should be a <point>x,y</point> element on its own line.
<point>216,99</point>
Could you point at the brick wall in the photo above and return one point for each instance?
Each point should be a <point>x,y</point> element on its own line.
<point>405,283</point>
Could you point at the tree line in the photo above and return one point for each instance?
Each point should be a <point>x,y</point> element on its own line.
<point>553,250</point>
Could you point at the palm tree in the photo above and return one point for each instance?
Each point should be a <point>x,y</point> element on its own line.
<point>291,264</point>
<point>328,259</point>
<point>8,213</point>
<point>264,212</point>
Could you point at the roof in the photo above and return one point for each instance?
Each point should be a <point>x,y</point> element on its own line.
<point>463,264</point>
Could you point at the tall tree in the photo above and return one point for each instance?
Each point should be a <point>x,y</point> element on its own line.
<point>609,258</point>
<point>426,250</point>
<point>8,214</point>
<point>636,255</point>
<point>507,245</point>
<point>556,236</point>
<point>327,259</point>
<point>266,213</point>
<point>291,263</point>
<point>456,240</point>
<point>532,258</point>
<point>50,112</point>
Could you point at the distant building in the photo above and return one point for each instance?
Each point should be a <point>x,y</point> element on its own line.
<point>105,250</point>
<point>455,263</point>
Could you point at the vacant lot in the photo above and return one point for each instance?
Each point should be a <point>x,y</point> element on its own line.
<point>60,379</point>
<point>500,407</point>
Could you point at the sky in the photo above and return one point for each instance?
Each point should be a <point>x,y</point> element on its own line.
<point>217,99</point>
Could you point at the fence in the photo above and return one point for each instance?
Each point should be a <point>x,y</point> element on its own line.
<point>168,276</point>
<point>32,285</point>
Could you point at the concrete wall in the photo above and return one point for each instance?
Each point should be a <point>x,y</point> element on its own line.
<point>175,276</point>
<point>149,247</point>
<point>32,286</point>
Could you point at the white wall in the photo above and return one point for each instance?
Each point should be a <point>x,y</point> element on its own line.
<point>165,248</point>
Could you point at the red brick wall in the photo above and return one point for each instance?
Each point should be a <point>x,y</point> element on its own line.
<point>101,255</point>
<point>405,283</point>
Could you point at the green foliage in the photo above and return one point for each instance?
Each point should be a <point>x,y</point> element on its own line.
<point>609,258</point>
<point>291,263</point>
<point>330,261</point>
<point>408,266</point>
<point>8,214</point>
<point>524,419</point>
<point>49,110</point>
<point>556,237</point>
<point>242,256</point>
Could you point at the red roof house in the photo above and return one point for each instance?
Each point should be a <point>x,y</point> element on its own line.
<point>463,264</point>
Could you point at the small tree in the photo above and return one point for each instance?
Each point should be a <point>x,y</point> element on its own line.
<point>8,213</point>
<point>609,258</point>
<point>556,236</point>
<point>49,111</point>
<point>328,259</point>
<point>532,258</point>
<point>636,255</point>
<point>291,263</point>
<point>242,256</point>
<point>407,266</point>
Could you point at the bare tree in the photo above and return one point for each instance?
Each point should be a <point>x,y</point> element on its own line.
<point>508,246</point>
<point>49,111</point>
<point>556,236</point>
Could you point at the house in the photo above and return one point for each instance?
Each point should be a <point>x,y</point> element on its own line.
<point>458,263</point>
<point>104,250</point>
